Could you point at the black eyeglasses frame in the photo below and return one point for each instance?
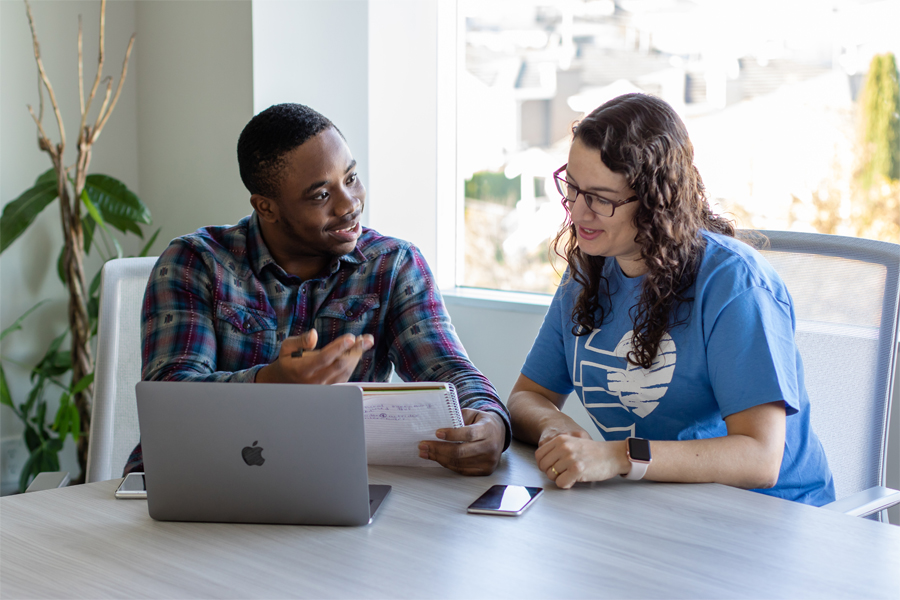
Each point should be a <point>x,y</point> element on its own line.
<point>588,196</point>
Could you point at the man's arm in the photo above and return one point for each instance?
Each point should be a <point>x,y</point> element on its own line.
<point>424,347</point>
<point>178,337</point>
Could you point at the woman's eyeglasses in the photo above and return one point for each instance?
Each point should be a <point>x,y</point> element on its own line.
<point>599,205</point>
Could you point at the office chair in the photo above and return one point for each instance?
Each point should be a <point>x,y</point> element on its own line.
<point>114,422</point>
<point>846,300</point>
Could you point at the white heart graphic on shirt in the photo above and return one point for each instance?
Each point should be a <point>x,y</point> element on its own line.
<point>640,389</point>
<point>637,389</point>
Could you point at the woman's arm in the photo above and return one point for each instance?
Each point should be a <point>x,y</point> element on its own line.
<point>536,416</point>
<point>748,457</point>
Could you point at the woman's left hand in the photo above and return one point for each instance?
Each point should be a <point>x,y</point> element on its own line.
<point>568,459</point>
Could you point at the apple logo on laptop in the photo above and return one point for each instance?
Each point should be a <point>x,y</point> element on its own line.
<point>253,455</point>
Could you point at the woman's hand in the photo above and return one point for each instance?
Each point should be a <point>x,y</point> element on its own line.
<point>568,459</point>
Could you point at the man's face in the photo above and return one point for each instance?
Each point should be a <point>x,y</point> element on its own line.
<point>320,200</point>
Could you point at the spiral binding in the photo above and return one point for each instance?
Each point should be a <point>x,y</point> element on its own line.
<point>453,403</point>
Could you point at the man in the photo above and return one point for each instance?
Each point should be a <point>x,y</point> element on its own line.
<point>300,292</point>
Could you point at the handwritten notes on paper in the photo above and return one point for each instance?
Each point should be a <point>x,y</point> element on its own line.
<point>397,418</point>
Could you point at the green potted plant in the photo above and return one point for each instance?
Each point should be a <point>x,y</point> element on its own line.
<point>91,207</point>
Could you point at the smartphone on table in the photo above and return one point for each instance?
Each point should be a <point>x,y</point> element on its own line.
<point>132,487</point>
<point>505,500</point>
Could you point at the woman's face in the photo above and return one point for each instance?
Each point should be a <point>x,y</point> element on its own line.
<point>612,237</point>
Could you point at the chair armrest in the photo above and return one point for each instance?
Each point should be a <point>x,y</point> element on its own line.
<point>48,480</point>
<point>867,502</point>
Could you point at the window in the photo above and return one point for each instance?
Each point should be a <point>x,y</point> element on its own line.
<point>772,93</point>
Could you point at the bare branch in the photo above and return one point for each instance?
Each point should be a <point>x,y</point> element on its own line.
<point>43,140</point>
<point>80,71</point>
<point>46,80</point>
<point>99,76</point>
<point>100,123</point>
<point>102,108</point>
<point>41,96</point>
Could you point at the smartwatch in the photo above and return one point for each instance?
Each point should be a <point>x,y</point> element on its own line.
<point>638,450</point>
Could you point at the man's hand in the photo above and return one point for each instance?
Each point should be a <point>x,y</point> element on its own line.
<point>567,459</point>
<point>479,453</point>
<point>299,362</point>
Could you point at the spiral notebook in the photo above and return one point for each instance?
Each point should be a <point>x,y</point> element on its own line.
<point>398,416</point>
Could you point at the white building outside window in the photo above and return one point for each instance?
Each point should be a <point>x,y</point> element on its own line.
<point>769,91</point>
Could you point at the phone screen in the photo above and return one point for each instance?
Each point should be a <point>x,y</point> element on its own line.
<point>510,500</point>
<point>132,487</point>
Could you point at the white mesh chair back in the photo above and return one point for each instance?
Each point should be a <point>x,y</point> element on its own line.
<point>845,293</point>
<point>114,422</point>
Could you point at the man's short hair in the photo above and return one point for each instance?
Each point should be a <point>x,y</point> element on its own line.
<point>268,137</point>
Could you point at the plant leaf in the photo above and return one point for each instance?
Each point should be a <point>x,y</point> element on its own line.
<point>21,212</point>
<point>32,439</point>
<point>149,243</point>
<point>55,362</point>
<point>87,228</point>
<point>5,396</point>
<point>61,421</point>
<point>40,421</point>
<point>95,284</point>
<point>120,206</point>
<point>25,477</point>
<point>54,445</point>
<point>83,384</point>
<point>48,175</point>
<point>33,396</point>
<point>18,324</point>
<point>61,265</point>
<point>50,456</point>
<point>92,210</point>
<point>93,307</point>
<point>59,363</point>
<point>74,422</point>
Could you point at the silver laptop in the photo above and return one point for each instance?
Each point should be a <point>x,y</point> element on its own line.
<point>256,453</point>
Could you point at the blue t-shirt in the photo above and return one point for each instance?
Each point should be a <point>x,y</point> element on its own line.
<point>735,350</point>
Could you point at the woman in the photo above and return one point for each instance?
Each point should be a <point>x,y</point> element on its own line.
<point>678,339</point>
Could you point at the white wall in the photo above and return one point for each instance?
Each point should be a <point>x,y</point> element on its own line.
<point>315,53</point>
<point>195,95</point>
<point>402,116</point>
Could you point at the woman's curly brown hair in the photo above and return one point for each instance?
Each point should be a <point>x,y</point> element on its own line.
<point>642,138</point>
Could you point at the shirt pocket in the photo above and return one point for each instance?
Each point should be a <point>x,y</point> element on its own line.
<point>350,314</point>
<point>245,337</point>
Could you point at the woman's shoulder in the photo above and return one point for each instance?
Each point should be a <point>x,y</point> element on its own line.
<point>735,265</point>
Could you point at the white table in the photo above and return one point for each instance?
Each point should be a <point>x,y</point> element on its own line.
<point>614,539</point>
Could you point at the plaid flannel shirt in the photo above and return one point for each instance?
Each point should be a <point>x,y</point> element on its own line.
<point>218,306</point>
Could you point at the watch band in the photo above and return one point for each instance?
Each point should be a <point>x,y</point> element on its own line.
<point>638,465</point>
<point>638,469</point>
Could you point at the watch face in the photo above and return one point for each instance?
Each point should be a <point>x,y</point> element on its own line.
<point>639,449</point>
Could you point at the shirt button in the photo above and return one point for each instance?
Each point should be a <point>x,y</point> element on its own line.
<point>349,313</point>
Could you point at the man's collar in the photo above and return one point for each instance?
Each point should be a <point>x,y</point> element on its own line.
<point>257,252</point>
<point>355,256</point>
